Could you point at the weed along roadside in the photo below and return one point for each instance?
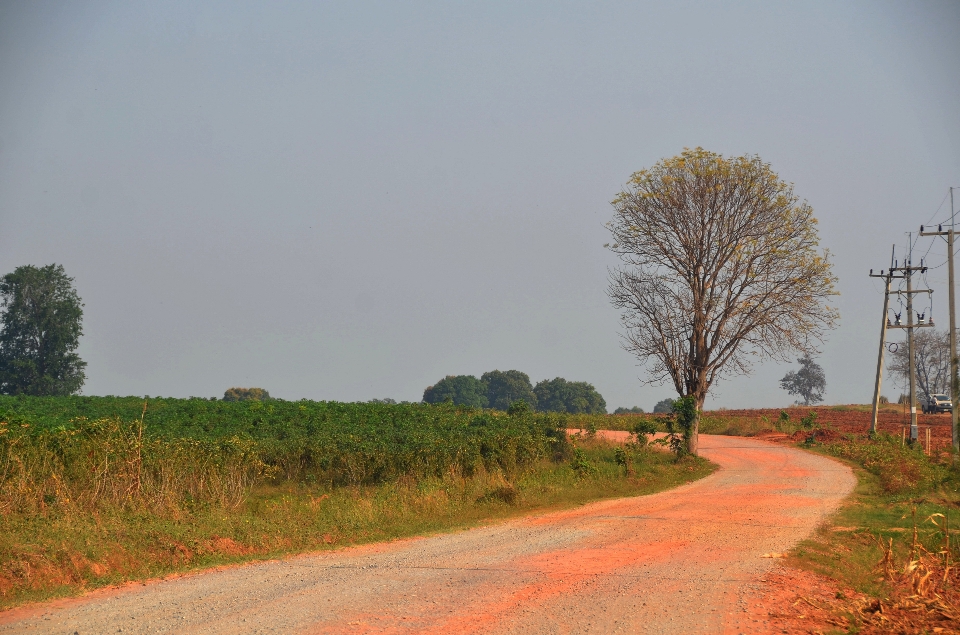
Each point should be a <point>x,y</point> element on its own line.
<point>95,491</point>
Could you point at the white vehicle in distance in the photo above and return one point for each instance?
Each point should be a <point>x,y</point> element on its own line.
<point>935,403</point>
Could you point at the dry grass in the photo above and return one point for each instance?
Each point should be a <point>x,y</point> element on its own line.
<point>109,464</point>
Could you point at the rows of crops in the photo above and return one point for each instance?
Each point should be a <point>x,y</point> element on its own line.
<point>58,447</point>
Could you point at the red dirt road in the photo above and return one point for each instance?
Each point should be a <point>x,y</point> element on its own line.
<point>680,561</point>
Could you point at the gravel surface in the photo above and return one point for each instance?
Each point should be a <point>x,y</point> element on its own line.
<point>679,561</point>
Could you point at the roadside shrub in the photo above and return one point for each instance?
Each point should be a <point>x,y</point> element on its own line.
<point>809,420</point>
<point>680,425</point>
<point>581,465</point>
<point>641,430</point>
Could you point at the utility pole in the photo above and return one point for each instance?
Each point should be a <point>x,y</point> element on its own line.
<point>914,431</point>
<point>888,277</point>
<point>954,362</point>
<point>908,270</point>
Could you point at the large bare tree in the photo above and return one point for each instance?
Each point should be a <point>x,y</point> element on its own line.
<point>721,268</point>
<point>932,353</point>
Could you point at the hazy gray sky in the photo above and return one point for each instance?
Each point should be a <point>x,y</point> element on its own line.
<point>351,200</point>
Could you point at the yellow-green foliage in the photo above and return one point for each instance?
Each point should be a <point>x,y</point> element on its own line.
<point>110,463</point>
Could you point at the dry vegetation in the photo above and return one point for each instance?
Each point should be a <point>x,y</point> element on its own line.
<point>90,503</point>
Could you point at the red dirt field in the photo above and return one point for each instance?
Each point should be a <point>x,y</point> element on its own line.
<point>843,419</point>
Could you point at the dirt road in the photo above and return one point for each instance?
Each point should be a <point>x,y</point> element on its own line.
<point>675,562</point>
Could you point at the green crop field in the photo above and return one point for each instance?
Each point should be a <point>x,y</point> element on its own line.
<point>98,490</point>
<point>54,449</point>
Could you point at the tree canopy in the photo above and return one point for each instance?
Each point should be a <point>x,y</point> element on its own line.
<point>504,387</point>
<point>463,390</point>
<point>720,268</point>
<point>246,394</point>
<point>636,410</point>
<point>808,383</point>
<point>40,329</point>
<point>663,406</point>
<point>575,397</point>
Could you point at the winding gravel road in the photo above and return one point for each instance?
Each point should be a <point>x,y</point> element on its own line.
<point>675,562</point>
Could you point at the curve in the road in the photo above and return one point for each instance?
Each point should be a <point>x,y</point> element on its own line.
<point>674,562</point>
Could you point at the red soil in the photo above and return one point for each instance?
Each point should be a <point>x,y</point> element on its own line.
<point>846,419</point>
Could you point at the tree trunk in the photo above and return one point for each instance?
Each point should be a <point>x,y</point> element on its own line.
<point>693,443</point>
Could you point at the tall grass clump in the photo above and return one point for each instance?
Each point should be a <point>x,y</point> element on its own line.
<point>93,465</point>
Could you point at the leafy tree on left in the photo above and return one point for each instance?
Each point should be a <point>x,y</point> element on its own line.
<point>40,329</point>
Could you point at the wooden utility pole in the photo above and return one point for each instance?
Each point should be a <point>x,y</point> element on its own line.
<point>914,432</point>
<point>888,278</point>
<point>908,270</point>
<point>954,362</point>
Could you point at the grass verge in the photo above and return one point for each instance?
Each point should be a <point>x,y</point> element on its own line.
<point>57,552</point>
<point>895,541</point>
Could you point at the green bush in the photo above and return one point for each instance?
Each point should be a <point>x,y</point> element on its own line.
<point>581,465</point>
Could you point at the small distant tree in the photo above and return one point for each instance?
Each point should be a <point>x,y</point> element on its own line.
<point>40,330</point>
<point>809,382</point>
<point>507,386</point>
<point>385,400</point>
<point>636,410</point>
<point>246,394</point>
<point>574,397</point>
<point>462,390</point>
<point>663,406</point>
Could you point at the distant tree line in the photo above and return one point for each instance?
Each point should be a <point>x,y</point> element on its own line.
<point>500,389</point>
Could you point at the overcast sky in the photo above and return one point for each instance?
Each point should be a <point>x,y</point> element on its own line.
<point>352,200</point>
